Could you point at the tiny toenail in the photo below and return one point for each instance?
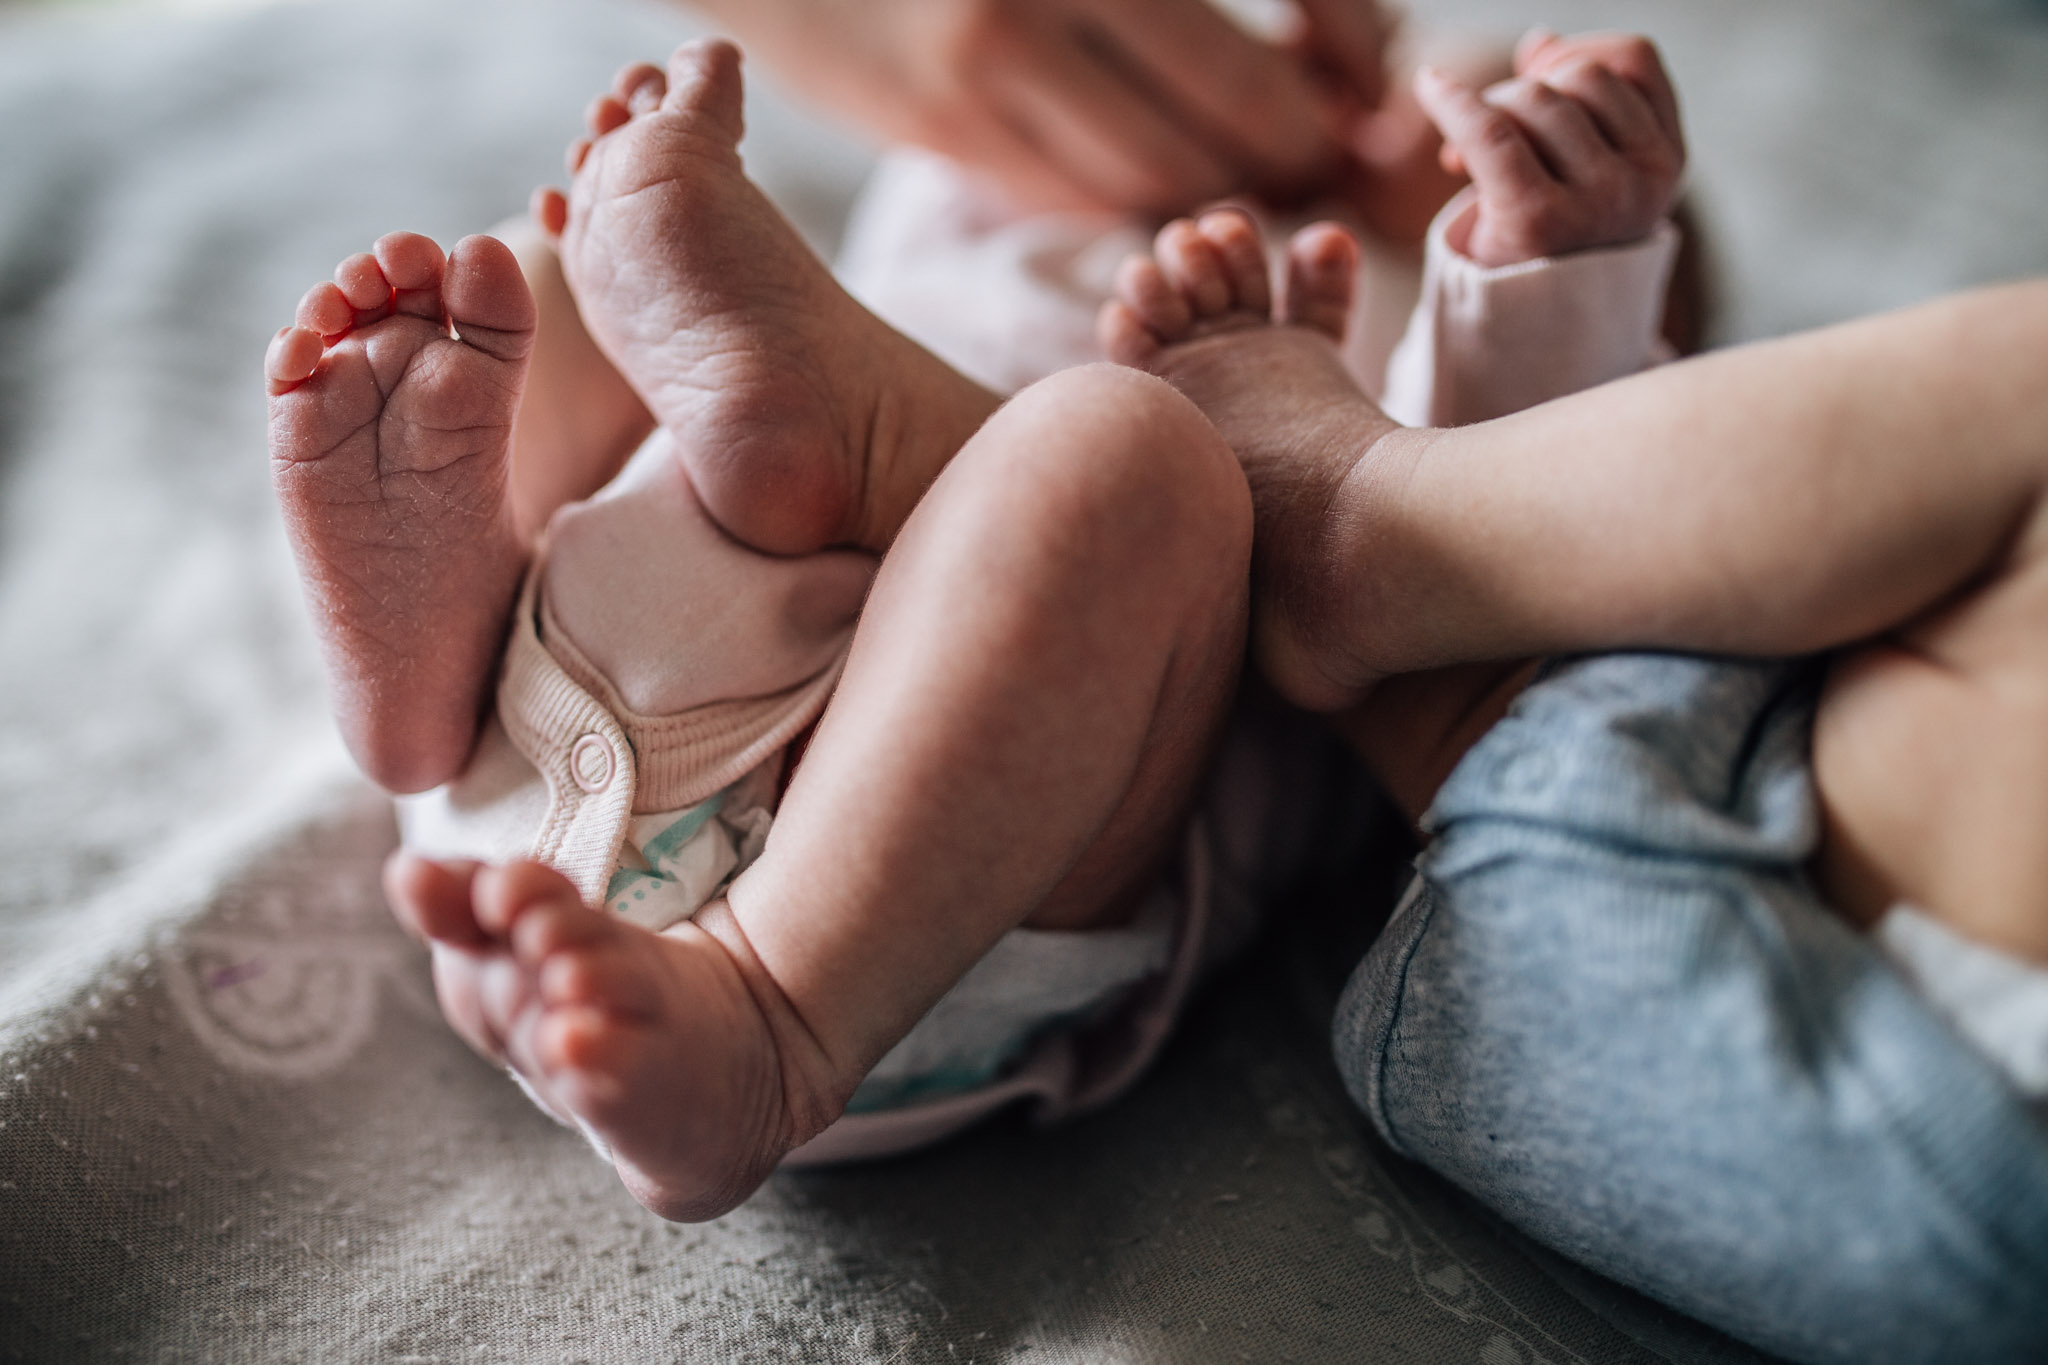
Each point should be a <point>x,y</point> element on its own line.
<point>591,763</point>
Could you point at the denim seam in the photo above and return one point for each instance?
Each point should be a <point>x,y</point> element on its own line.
<point>1385,1027</point>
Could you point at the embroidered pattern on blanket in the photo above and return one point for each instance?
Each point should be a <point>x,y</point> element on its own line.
<point>288,974</point>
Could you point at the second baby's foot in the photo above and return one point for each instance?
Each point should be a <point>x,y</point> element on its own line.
<point>1200,312</point>
<point>653,1044</point>
<point>804,420</point>
<point>391,405</point>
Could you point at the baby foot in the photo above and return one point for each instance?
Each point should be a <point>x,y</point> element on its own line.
<point>803,419</point>
<point>656,1045</point>
<point>391,405</point>
<point>1200,313</point>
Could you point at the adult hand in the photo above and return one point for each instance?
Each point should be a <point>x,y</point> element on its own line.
<point>1151,105</point>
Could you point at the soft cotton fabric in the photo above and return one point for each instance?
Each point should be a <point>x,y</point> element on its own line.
<point>1437,339</point>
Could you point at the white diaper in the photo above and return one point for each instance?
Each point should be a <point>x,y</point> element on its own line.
<point>673,863</point>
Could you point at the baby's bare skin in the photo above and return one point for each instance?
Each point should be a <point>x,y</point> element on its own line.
<point>805,421</point>
<point>388,446</point>
<point>1884,482</point>
<point>663,1046</point>
<point>391,441</point>
<point>1930,747</point>
<point>1583,148</point>
<point>1045,657</point>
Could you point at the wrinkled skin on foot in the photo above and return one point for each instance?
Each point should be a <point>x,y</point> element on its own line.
<point>391,404</point>
<point>732,332</point>
<point>803,420</point>
<point>667,1047</point>
<point>1201,312</point>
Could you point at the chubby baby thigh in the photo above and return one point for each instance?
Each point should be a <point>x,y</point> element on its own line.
<point>1930,755</point>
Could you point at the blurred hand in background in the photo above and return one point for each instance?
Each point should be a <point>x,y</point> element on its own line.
<point>1152,106</point>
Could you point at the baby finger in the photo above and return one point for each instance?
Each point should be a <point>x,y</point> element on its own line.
<point>1564,134</point>
<point>1490,146</point>
<point>1630,56</point>
<point>1620,110</point>
<point>456,984</point>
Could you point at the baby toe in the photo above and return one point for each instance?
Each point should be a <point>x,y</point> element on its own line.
<point>434,900</point>
<point>608,976</point>
<point>506,892</point>
<point>1123,338</point>
<point>1322,266</point>
<point>504,992</point>
<point>587,1054</point>
<point>1142,286</point>
<point>704,79</point>
<point>544,929</point>
<point>409,261</point>
<point>1235,239</point>
<point>415,267</point>
<point>487,298</point>
<point>325,310</point>
<point>361,281</point>
<point>457,982</point>
<point>293,355</point>
<point>550,210</point>
<point>1193,267</point>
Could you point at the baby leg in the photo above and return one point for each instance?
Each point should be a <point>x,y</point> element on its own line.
<point>1049,649</point>
<point>1042,666</point>
<point>804,420</point>
<point>1613,1008</point>
<point>1884,478</point>
<point>391,410</point>
<point>1772,499</point>
<point>416,462</point>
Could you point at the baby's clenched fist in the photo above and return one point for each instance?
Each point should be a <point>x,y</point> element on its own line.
<point>1583,148</point>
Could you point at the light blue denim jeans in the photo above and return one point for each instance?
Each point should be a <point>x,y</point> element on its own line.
<point>1612,1008</point>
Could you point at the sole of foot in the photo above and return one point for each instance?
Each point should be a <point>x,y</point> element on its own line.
<point>651,1043</point>
<point>804,421</point>
<point>392,396</point>
<point>1201,312</point>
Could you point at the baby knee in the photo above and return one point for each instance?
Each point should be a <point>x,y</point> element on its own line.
<point>1118,445</point>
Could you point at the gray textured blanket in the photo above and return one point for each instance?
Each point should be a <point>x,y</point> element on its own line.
<point>232,1125</point>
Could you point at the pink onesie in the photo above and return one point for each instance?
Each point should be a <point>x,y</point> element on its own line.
<point>659,672</point>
